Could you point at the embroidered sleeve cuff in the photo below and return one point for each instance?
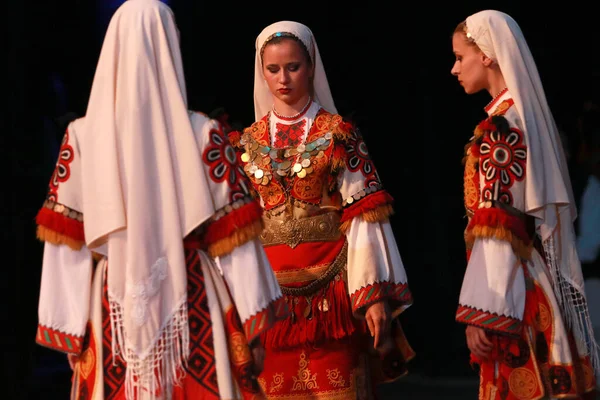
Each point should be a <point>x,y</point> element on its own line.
<point>58,340</point>
<point>59,224</point>
<point>233,226</point>
<point>489,321</point>
<point>499,224</point>
<point>261,321</point>
<point>398,296</point>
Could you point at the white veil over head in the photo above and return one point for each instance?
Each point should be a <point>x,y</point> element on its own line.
<point>143,188</point>
<point>263,99</point>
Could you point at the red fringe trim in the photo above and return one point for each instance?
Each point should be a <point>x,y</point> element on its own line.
<point>336,323</point>
<point>496,217</point>
<point>235,220</point>
<point>367,203</point>
<point>342,130</point>
<point>60,224</point>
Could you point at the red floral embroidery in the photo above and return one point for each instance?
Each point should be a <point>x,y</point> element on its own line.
<point>62,171</point>
<point>503,161</point>
<point>222,159</point>
<point>359,159</point>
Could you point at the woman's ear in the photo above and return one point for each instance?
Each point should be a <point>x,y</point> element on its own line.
<point>486,60</point>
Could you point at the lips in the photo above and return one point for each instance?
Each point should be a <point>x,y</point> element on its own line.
<point>284,91</point>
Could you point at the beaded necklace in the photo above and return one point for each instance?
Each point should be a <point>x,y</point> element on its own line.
<point>500,93</point>
<point>295,116</point>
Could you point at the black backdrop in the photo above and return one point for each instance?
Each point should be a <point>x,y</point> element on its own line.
<point>388,65</point>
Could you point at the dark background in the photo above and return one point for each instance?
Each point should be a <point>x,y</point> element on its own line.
<point>388,65</point>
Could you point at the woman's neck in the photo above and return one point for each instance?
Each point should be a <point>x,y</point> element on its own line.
<point>287,111</point>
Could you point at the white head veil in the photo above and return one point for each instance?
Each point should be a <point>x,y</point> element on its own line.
<point>143,189</point>
<point>263,100</point>
<point>548,193</point>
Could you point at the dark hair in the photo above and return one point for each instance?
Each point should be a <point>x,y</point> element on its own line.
<point>279,37</point>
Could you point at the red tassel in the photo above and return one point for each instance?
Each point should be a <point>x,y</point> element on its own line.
<point>60,224</point>
<point>226,226</point>
<point>336,323</point>
<point>368,203</point>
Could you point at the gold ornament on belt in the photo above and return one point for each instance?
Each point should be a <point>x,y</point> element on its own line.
<point>322,227</point>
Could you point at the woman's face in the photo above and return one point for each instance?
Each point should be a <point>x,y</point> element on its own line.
<point>469,67</point>
<point>287,71</point>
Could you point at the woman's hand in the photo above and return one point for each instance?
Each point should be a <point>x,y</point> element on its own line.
<point>258,355</point>
<point>478,342</point>
<point>72,360</point>
<point>379,319</point>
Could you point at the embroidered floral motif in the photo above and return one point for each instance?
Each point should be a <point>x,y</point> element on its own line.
<point>289,135</point>
<point>62,171</point>
<point>503,158</point>
<point>335,378</point>
<point>359,159</point>
<point>142,291</point>
<point>277,383</point>
<point>305,380</point>
<point>223,162</point>
<point>522,383</point>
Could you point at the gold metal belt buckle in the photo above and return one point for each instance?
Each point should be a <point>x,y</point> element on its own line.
<point>323,227</point>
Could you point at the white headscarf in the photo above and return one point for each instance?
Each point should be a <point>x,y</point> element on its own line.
<point>263,99</point>
<point>144,189</point>
<point>548,192</point>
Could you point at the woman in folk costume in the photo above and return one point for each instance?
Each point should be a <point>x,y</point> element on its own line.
<point>327,233</point>
<point>522,297</point>
<point>153,194</point>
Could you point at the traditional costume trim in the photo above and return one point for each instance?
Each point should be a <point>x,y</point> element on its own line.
<point>57,340</point>
<point>59,224</point>
<point>62,170</point>
<point>233,226</point>
<point>499,224</point>
<point>301,275</point>
<point>264,319</point>
<point>393,292</point>
<point>372,205</point>
<point>320,310</point>
<point>489,321</point>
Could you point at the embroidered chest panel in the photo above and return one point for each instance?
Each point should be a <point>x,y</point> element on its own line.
<point>299,170</point>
